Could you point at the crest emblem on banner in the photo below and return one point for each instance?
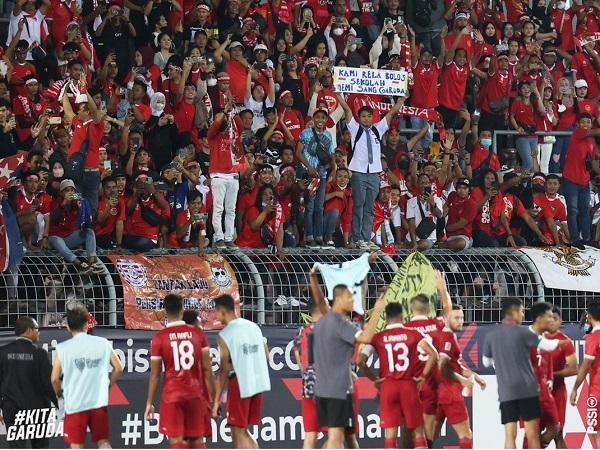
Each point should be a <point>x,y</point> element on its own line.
<point>573,259</point>
<point>220,277</point>
<point>132,272</point>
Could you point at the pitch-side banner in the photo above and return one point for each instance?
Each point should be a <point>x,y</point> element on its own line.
<point>370,81</point>
<point>574,269</point>
<point>146,281</point>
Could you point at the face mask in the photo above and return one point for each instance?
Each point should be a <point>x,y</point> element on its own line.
<point>211,82</point>
<point>159,106</point>
<point>561,5</point>
<point>486,143</point>
<point>353,48</point>
<point>403,164</point>
<point>338,31</point>
<point>537,188</point>
<point>274,145</point>
<point>58,172</point>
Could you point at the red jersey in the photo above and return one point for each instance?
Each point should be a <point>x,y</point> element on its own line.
<point>592,351</point>
<point>559,358</point>
<point>68,222</point>
<point>512,206</point>
<point>466,43</point>
<point>590,107</point>
<point>294,121</point>
<point>343,205</point>
<point>249,237</point>
<point>180,348</point>
<point>496,86</point>
<point>524,114</point>
<point>563,23</point>
<point>541,361</point>
<point>23,201</point>
<point>488,217</point>
<point>557,70</point>
<point>514,8</point>
<point>460,208</point>
<point>580,146</point>
<point>479,154</point>
<point>454,85</point>
<point>96,131</point>
<point>582,65</point>
<point>398,350</point>
<point>429,327</point>
<point>425,88</point>
<point>190,239</point>
<point>30,110</point>
<point>449,391</point>
<point>137,226</point>
<point>116,213</point>
<point>20,71</point>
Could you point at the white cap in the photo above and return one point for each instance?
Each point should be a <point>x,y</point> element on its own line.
<point>581,83</point>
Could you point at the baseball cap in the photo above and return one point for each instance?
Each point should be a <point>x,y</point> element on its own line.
<point>70,47</point>
<point>320,109</point>
<point>394,56</point>
<point>580,83</point>
<point>461,15</point>
<point>261,47</point>
<point>65,184</point>
<point>235,44</point>
<point>464,182</point>
<point>341,150</point>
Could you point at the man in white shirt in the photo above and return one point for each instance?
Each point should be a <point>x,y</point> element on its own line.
<point>365,165</point>
<point>36,29</point>
<point>430,209</point>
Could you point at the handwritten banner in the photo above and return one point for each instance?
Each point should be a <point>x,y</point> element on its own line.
<point>370,81</point>
<point>146,281</point>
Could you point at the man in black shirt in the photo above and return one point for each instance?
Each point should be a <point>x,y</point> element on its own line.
<point>25,378</point>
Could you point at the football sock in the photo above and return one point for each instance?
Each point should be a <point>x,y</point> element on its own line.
<point>421,442</point>
<point>179,445</point>
<point>465,443</point>
<point>391,443</point>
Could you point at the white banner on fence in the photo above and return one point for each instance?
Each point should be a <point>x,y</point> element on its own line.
<point>370,81</point>
<point>575,270</point>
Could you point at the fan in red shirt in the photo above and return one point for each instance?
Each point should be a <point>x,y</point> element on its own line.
<point>482,150</point>
<point>550,201</point>
<point>591,361</point>
<point>453,377</point>
<point>541,361</point>
<point>564,364</point>
<point>420,308</point>
<point>190,225</point>
<point>29,213</point>
<point>28,109</point>
<point>583,66</point>
<point>563,23</point>
<point>400,350</point>
<point>185,353</point>
<point>111,216</point>
<point>460,211</point>
<point>338,206</point>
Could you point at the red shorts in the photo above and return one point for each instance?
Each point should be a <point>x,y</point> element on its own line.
<point>429,398</point>
<point>184,418</point>
<point>549,412</point>
<point>560,400</point>
<point>309,415</point>
<point>76,425</point>
<point>400,404</point>
<point>242,412</point>
<point>455,412</point>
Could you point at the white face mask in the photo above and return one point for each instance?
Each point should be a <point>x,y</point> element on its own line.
<point>211,82</point>
<point>338,31</point>
<point>561,5</point>
<point>353,47</point>
<point>58,172</point>
<point>159,106</point>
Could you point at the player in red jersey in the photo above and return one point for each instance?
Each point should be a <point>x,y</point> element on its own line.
<point>420,307</point>
<point>399,349</point>
<point>564,364</point>
<point>541,361</point>
<point>185,352</point>
<point>453,377</point>
<point>591,364</point>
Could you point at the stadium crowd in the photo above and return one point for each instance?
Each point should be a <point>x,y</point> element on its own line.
<point>199,123</point>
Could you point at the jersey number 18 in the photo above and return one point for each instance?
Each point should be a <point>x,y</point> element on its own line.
<point>183,355</point>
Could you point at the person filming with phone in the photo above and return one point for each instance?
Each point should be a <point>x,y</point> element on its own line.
<point>190,225</point>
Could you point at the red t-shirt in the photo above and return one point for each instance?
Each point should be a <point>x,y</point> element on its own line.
<point>466,43</point>
<point>449,391</point>
<point>454,85</point>
<point>21,71</point>
<point>180,348</point>
<point>137,226</point>
<point>284,200</point>
<point>524,114</point>
<point>429,327</point>
<point>23,201</point>
<point>184,116</point>
<point>563,23</point>
<point>579,147</point>
<point>425,88</point>
<point>585,70</point>
<point>31,112</point>
<point>496,86</point>
<point>190,240</point>
<point>92,159</point>
<point>69,220</point>
<point>238,74</point>
<point>488,217</point>
<point>116,213</point>
<point>541,361</point>
<point>460,208</point>
<point>590,107</point>
<point>592,351</point>
<point>293,120</point>
<point>479,155</point>
<point>514,8</point>
<point>559,358</point>
<point>249,237</point>
<point>398,350</point>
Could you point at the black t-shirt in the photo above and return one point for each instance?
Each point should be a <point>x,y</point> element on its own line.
<point>204,160</point>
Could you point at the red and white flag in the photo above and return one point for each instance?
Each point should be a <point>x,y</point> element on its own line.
<point>10,168</point>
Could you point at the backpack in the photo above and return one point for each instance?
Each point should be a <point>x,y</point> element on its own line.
<point>361,130</point>
<point>422,13</point>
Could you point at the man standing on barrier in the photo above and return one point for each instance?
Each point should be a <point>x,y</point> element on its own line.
<point>25,379</point>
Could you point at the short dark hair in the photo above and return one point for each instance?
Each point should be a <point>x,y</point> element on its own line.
<point>556,310</point>
<point>584,116</point>
<point>552,176</point>
<point>23,324</point>
<point>73,62</point>
<point>108,180</point>
<point>142,84</point>
<point>173,304</point>
<point>593,308</point>
<point>338,289</point>
<point>33,153</point>
<point>77,318</point>
<point>365,109</point>
<point>343,169</point>
<point>394,310</point>
<point>508,304</point>
<point>246,111</point>
<point>226,302</point>
<point>4,103</point>
<point>539,309</point>
<point>191,316</point>
<point>193,195</point>
<point>312,306</point>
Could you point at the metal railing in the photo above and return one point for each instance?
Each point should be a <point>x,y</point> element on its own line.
<point>275,292</point>
<point>496,133</point>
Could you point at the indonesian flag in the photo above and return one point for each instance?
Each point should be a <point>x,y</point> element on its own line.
<point>11,247</point>
<point>10,168</point>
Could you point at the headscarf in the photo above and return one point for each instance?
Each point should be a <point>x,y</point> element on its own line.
<point>154,100</point>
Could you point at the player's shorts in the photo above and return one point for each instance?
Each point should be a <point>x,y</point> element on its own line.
<point>335,412</point>
<point>242,412</point>
<point>185,418</point>
<point>399,399</point>
<point>354,428</point>
<point>528,408</point>
<point>560,400</point>
<point>549,412</point>
<point>429,398</point>
<point>454,412</point>
<point>309,415</point>
<point>76,425</point>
